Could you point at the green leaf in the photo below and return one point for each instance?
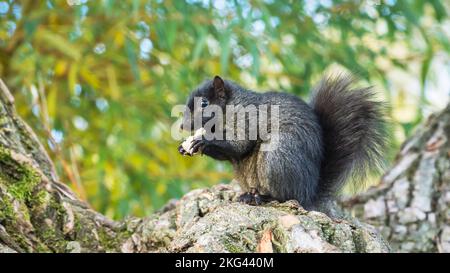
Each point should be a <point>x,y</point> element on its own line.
<point>59,43</point>
<point>130,49</point>
<point>225,51</point>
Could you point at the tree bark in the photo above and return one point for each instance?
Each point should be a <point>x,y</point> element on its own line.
<point>38,213</point>
<point>411,205</point>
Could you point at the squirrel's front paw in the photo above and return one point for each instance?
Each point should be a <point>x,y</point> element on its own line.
<point>182,151</point>
<point>198,145</point>
<point>190,145</point>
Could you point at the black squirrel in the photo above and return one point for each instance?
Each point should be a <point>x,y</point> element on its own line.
<point>339,135</point>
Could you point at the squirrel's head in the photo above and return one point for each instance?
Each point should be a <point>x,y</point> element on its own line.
<point>204,103</point>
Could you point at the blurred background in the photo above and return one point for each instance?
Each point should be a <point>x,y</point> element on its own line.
<point>97,80</point>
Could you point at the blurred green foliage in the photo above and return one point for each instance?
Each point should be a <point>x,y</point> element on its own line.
<point>97,79</point>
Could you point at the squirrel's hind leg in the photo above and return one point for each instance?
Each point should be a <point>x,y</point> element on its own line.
<point>254,198</point>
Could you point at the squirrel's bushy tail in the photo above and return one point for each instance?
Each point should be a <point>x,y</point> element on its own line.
<point>354,133</point>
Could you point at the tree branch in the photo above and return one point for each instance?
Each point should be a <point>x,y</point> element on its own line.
<point>411,204</point>
<point>40,214</point>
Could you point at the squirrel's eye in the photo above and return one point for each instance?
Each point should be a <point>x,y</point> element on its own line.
<point>204,103</point>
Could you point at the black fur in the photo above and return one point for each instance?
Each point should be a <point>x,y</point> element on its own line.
<point>354,131</point>
<point>339,135</point>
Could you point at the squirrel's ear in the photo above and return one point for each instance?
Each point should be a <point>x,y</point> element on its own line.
<point>219,87</point>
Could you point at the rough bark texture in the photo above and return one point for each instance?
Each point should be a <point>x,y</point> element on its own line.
<point>37,212</point>
<point>209,220</point>
<point>411,205</point>
<point>40,214</point>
